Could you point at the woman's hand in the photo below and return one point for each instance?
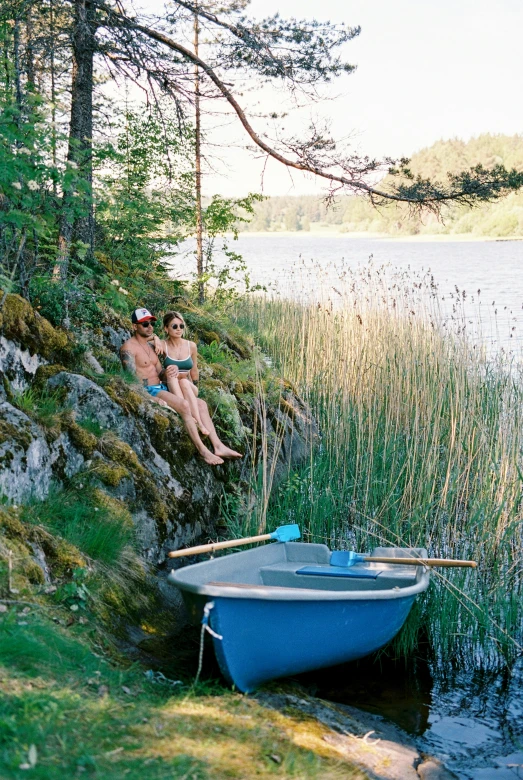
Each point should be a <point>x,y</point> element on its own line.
<point>171,372</point>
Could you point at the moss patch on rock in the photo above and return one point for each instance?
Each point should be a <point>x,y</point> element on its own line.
<point>84,441</point>
<point>110,474</point>
<point>43,373</point>
<point>120,453</point>
<point>22,538</point>
<point>124,395</point>
<point>15,433</point>
<point>22,324</point>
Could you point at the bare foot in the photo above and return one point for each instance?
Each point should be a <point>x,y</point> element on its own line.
<point>210,458</point>
<point>226,452</point>
<point>160,401</point>
<point>201,427</point>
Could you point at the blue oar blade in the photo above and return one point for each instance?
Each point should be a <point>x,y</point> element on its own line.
<point>286,533</point>
<point>345,558</point>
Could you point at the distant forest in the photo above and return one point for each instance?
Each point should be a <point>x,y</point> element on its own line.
<point>351,213</point>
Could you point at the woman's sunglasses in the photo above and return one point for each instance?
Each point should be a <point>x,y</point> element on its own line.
<point>176,326</point>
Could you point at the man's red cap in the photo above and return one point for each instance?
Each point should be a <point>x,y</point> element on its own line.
<point>142,315</point>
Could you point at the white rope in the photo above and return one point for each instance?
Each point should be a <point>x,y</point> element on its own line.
<point>205,627</point>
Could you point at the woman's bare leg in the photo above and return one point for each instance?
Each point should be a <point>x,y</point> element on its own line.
<point>174,386</point>
<point>220,448</point>
<point>181,406</point>
<point>188,394</point>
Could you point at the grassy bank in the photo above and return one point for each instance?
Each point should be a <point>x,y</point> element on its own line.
<point>68,709</point>
<point>421,446</point>
<point>72,704</point>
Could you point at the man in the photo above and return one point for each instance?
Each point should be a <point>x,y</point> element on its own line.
<point>138,356</point>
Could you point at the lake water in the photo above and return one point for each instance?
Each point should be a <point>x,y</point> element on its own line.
<point>306,265</point>
<point>471,720</point>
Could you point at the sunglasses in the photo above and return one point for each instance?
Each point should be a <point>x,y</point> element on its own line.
<point>146,324</point>
<point>176,326</point>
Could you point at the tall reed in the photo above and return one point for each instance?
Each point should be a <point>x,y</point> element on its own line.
<point>421,439</point>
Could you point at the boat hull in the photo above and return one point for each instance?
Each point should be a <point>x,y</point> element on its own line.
<point>263,640</point>
<point>288,608</point>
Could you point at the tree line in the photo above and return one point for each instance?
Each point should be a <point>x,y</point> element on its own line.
<point>502,218</point>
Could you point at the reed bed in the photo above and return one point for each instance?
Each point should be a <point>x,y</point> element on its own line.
<point>421,441</point>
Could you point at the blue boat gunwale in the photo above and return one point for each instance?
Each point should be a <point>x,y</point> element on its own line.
<point>241,590</point>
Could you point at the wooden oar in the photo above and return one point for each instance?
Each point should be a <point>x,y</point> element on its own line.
<point>422,561</point>
<point>285,533</point>
<point>349,558</point>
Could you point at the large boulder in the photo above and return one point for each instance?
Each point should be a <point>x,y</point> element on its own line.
<point>144,456</point>
<point>18,365</point>
<point>25,457</point>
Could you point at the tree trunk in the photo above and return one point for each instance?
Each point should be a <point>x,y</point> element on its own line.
<point>79,154</point>
<point>198,170</point>
<point>53,88</point>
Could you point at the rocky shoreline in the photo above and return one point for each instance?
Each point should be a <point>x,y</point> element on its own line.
<point>383,750</point>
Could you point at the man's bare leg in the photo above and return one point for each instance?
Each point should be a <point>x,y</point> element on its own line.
<point>219,447</point>
<point>182,408</point>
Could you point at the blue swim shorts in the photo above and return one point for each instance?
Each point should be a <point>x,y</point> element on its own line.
<point>155,389</point>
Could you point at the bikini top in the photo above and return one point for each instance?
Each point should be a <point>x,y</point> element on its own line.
<point>183,365</point>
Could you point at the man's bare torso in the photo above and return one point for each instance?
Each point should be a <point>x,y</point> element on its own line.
<point>139,357</point>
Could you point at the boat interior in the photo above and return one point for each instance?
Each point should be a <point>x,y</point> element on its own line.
<point>302,565</point>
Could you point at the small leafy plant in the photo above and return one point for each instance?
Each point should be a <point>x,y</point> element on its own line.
<point>75,594</point>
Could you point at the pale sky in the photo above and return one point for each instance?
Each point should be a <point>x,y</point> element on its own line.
<point>426,71</point>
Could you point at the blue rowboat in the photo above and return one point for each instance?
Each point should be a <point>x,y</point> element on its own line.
<point>286,608</point>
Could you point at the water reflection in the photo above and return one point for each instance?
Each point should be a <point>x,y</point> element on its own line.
<point>471,720</point>
<point>476,723</point>
<point>397,690</point>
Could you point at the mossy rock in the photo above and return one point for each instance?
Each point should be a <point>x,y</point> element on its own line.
<point>115,505</point>
<point>213,384</point>
<point>84,441</point>
<point>162,422</point>
<point>110,474</point>
<point>6,384</point>
<point>116,450</point>
<point>32,571</point>
<point>62,557</point>
<point>11,525</point>
<point>249,386</point>
<point>44,373</point>
<point>124,395</point>
<point>208,336</point>
<point>119,452</point>
<point>287,408</point>
<point>22,324</point>
<point>221,372</point>
<point>161,434</point>
<point>15,433</point>
<point>236,387</point>
<point>240,345</point>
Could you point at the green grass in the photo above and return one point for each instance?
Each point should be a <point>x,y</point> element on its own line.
<point>43,407</point>
<point>91,425</point>
<point>421,442</point>
<point>100,527</point>
<point>66,711</point>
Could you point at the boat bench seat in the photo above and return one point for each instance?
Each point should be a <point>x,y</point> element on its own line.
<point>293,574</point>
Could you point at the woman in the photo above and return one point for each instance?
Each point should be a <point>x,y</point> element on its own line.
<point>177,351</point>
